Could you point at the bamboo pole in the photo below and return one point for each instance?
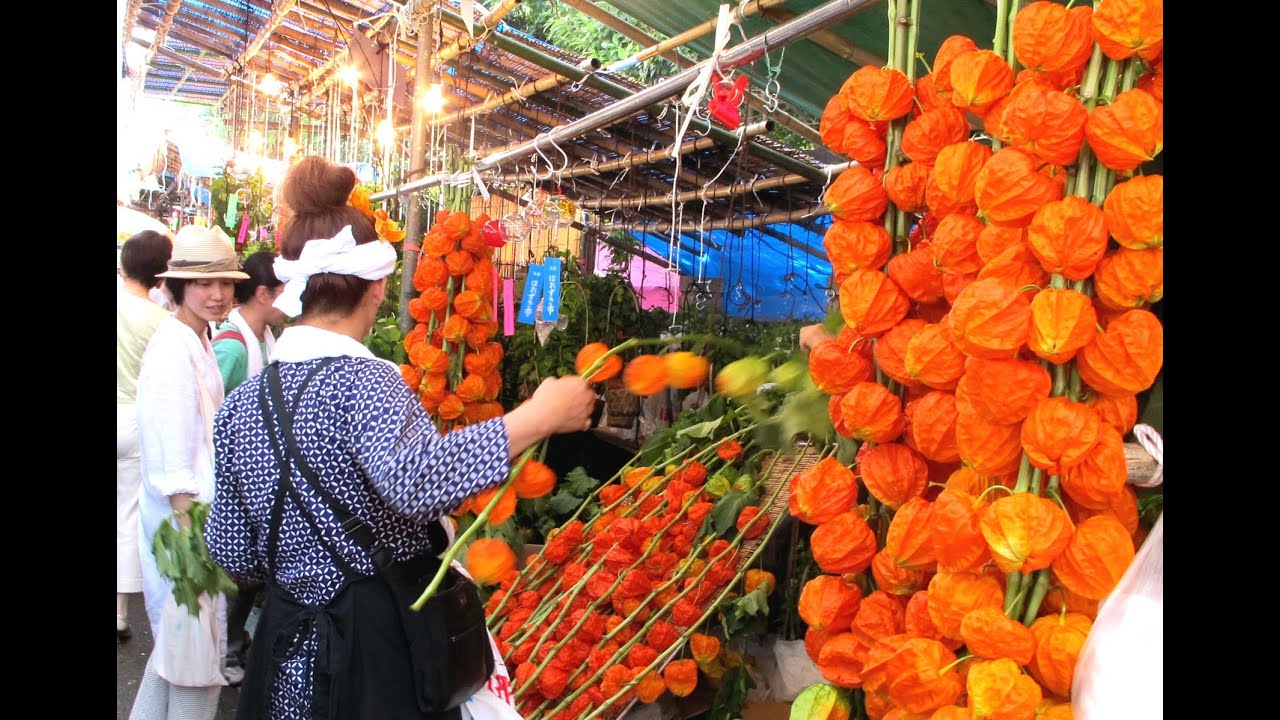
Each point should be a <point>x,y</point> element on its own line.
<point>162,32</point>
<point>778,216</point>
<point>131,11</point>
<point>414,222</point>
<point>520,92</point>
<point>279,9</point>
<point>746,10</point>
<point>713,194</point>
<point>833,43</point>
<point>465,42</point>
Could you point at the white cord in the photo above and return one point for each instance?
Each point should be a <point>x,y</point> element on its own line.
<point>1150,441</point>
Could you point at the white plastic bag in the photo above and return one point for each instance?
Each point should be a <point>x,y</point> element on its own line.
<point>496,700</point>
<point>187,651</point>
<point>1120,672</point>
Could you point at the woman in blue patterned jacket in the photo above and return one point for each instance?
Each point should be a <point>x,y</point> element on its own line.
<point>374,448</point>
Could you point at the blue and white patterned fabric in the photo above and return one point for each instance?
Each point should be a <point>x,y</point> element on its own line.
<point>378,451</point>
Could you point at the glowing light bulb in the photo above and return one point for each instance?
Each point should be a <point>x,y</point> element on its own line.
<point>349,74</point>
<point>433,101</point>
<point>385,134</point>
<point>270,85</point>
<point>290,147</point>
<point>255,139</point>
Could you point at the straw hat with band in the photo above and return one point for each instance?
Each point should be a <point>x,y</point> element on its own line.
<point>203,252</point>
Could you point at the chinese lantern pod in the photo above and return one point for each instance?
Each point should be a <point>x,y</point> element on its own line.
<point>681,677</point>
<point>972,482</point>
<point>916,621</point>
<point>835,370</point>
<point>925,136</point>
<point>955,244</point>
<point>814,638</point>
<point>820,701</point>
<point>840,660</point>
<point>1044,122</point>
<point>1068,237</point>
<point>871,412</point>
<point>995,239</point>
<point>1128,279</point>
<point>1005,391</point>
<point>471,389</point>
<point>955,171</point>
<point>832,124</point>
<point>998,689</point>
<point>927,95</point>
<point>455,329</point>
<point>534,480</point>
<point>434,386</point>
<point>412,376</point>
<point>645,375</point>
<point>1153,82</point>
<point>823,491</point>
<point>893,473</point>
<point>430,358</point>
<point>896,580</point>
<point>1062,321</point>
<point>1059,434</point>
<point>1025,532</point>
<point>856,195</point>
<point>1120,412</point>
<point>1134,212</point>
<point>1095,559</point>
<point>1049,38</point>
<point>990,634</point>
<point>1126,357</point>
<point>864,143</point>
<point>876,94</point>
<point>916,275</point>
<point>1009,190</point>
<point>891,349</point>
<point>844,545</point>
<point>953,594</point>
<point>478,363</point>
<point>490,561</point>
<point>989,319</point>
<point>505,508</point>
<point>1060,600</point>
<point>1124,28</point>
<point>471,305</point>
<point>958,545</point>
<point>459,262</point>
<point>756,578</point>
<point>934,358</point>
<point>650,687</point>
<point>978,79</point>
<point>853,246</point>
<point>685,370</point>
<point>951,712</point>
<point>931,426</point>
<point>829,603</point>
<point>1128,132</point>
<point>480,333</point>
<point>1059,640</point>
<point>953,285</point>
<point>1016,266</point>
<point>988,448</point>
<point>871,303</point>
<point>451,407</point>
<point>588,356</point>
<point>917,682</point>
<point>941,204</point>
<point>1051,709</point>
<point>948,51</point>
<point>905,185</point>
<point>910,537</point>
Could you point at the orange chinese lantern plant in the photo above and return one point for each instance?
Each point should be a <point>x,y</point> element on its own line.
<point>989,319</point>
<point>1068,237</point>
<point>870,412</point>
<point>1059,639</point>
<point>893,473</point>
<point>989,633</point>
<point>1120,412</point>
<point>1128,132</point>
<point>1096,557</point>
<point>1004,391</point>
<point>480,333</point>
<point>840,660</point>
<point>822,492</point>
<point>686,370</point>
<point>853,246</point>
<point>994,240</point>
<point>829,603</point>
<point>916,275</point>
<point>430,358</point>
<point>871,302</point>
<point>534,480</point>
<point>832,124</point>
<point>431,272</point>
<point>951,48</point>
<point>958,545</point>
<point>645,375</point>
<point>835,369</point>
<point>681,677</point>
<point>905,185</point>
<point>910,538</point>
<point>998,690</point>
<point>856,195</point>
<point>412,376</point>
<point>952,595</point>
<point>876,94</point>
<point>926,136</point>
<point>505,508</point>
<point>931,426</point>
<point>1124,28</point>
<point>880,616</point>
<point>1125,358</point>
<point>459,262</point>
<point>650,687</point>
<point>1153,82</point>
<point>588,356</point>
<point>1059,434</point>
<point>1016,266</point>
<point>1009,190</point>
<point>894,579</point>
<point>955,244</point>
<point>916,621</point>
<point>471,389</point>
<point>978,79</point>
<point>1044,122</point>
<point>450,408</point>
<point>1049,38</point>
<point>922,677</point>
<point>934,358</point>
<point>455,329</point>
<point>864,143</point>
<point>951,712</point>
<point>844,544</point>
<point>987,447</point>
<point>972,482</point>
<point>1025,532</point>
<point>1062,321</point>
<point>1130,278</point>
<point>1134,212</point>
<point>490,561</point>
<point>955,172</point>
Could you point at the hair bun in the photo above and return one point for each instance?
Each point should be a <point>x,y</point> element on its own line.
<point>316,185</point>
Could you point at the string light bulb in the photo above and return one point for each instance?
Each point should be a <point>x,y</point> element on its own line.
<point>270,85</point>
<point>349,74</point>
<point>385,134</point>
<point>433,100</point>
<point>290,147</point>
<point>255,139</point>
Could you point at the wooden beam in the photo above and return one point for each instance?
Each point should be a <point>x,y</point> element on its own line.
<point>821,255</point>
<point>739,224</point>
<point>131,11</point>
<point>279,8</point>
<point>631,32</point>
<point>832,42</point>
<point>170,10</point>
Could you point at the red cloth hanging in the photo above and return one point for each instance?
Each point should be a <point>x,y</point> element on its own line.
<point>725,99</point>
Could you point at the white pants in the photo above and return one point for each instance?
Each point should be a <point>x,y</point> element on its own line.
<point>159,699</point>
<point>128,479</point>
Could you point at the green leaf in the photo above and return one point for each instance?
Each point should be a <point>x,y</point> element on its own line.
<point>724,516</point>
<point>820,700</point>
<point>564,503</point>
<point>846,450</point>
<point>579,483</point>
<point>732,694</point>
<point>742,612</point>
<point>702,430</point>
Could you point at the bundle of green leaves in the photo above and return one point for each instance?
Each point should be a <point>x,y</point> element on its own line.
<point>183,559</point>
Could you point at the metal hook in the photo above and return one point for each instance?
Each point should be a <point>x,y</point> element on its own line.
<point>534,167</point>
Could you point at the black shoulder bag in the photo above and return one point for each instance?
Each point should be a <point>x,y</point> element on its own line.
<point>447,640</point>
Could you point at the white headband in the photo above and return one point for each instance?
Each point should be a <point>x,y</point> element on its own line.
<point>339,254</point>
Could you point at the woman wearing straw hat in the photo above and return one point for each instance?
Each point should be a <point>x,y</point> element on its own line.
<point>179,390</point>
<point>373,451</point>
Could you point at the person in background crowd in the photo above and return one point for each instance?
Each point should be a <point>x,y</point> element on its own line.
<point>242,346</point>
<point>375,449</point>
<point>142,258</point>
<point>179,390</point>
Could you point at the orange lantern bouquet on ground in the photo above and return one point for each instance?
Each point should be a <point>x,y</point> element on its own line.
<point>989,364</point>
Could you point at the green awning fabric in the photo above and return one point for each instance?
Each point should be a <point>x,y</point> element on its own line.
<point>811,74</point>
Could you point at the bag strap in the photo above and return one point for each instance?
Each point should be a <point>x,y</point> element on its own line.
<point>351,524</point>
<point>230,334</point>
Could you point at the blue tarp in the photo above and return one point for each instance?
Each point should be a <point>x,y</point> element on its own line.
<point>764,277</point>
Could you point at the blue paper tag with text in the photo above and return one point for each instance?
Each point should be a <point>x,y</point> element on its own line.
<point>532,294</point>
<point>551,290</point>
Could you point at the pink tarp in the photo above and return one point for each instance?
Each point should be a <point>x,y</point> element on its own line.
<point>656,286</point>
